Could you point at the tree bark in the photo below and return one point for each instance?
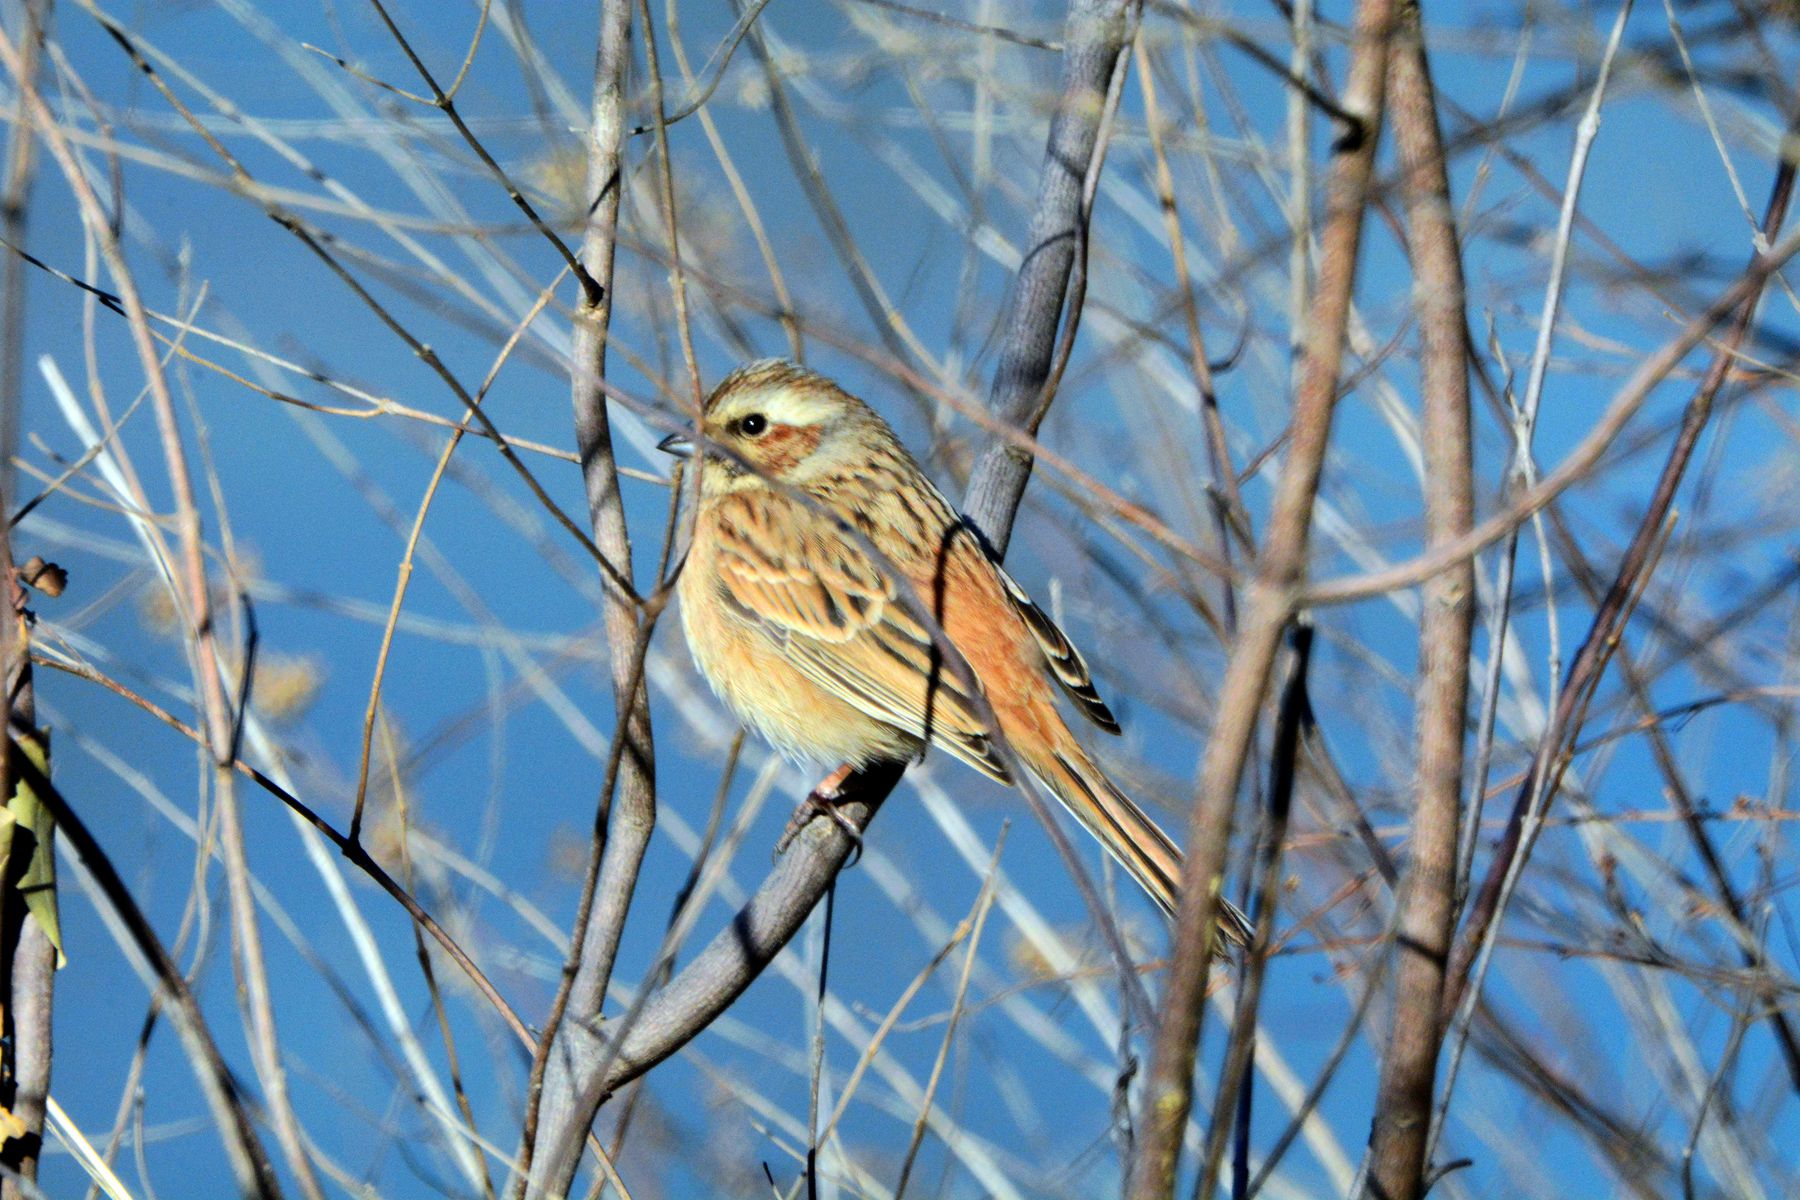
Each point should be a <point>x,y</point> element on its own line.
<point>1399,1136</point>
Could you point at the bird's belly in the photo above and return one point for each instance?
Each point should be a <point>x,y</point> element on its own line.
<point>779,702</point>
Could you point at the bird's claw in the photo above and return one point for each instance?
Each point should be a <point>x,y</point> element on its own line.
<point>823,801</point>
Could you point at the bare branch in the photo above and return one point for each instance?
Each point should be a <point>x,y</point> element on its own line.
<point>29,971</point>
<point>1023,383</point>
<point>559,1112</point>
<point>1293,714</point>
<point>1552,756</point>
<point>1399,1140</point>
<point>1270,602</point>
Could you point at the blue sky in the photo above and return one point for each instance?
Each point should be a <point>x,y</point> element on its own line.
<point>509,734</point>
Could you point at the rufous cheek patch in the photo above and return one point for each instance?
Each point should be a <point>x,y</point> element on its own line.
<point>786,446</point>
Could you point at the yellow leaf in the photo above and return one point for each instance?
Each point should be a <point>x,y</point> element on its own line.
<point>30,833</point>
<point>10,1125</point>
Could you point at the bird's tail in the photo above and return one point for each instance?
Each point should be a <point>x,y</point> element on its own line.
<point>1128,833</point>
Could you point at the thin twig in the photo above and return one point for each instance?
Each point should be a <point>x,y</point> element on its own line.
<point>422,954</point>
<point>403,577</point>
<point>1522,471</point>
<point>253,986</point>
<point>446,102</point>
<point>816,1064</point>
<point>1293,714</point>
<point>982,905</point>
<point>698,96</point>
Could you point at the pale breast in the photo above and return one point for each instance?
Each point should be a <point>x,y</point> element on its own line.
<point>750,673</point>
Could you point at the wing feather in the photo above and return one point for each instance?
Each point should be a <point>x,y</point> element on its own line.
<point>841,623</point>
<point>1066,665</point>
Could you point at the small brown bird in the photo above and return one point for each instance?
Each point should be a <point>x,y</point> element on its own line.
<point>802,633</point>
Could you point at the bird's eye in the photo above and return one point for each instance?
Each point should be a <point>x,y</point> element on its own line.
<point>753,425</point>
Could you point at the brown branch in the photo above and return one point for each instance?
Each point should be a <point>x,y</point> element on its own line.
<point>257,1002</point>
<point>1736,915</point>
<point>1270,603</point>
<point>1226,502</point>
<point>1427,897</point>
<point>191,592</point>
<point>1293,715</point>
<point>403,576</point>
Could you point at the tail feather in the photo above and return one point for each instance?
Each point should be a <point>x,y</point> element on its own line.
<point>1129,835</point>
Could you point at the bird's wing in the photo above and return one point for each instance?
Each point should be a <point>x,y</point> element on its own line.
<point>1061,660</point>
<point>839,620</point>
<point>1066,665</point>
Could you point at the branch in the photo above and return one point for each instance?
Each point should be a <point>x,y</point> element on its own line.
<point>738,954</point>
<point>1427,899</point>
<point>557,1114</point>
<point>1024,383</point>
<point>28,987</point>
<point>1269,605</point>
<point>1293,714</point>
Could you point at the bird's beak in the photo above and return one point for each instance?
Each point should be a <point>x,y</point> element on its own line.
<point>678,444</point>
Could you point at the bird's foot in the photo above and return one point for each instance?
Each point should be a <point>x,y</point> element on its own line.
<point>823,801</point>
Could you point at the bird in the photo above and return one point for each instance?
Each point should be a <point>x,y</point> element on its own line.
<point>807,636</point>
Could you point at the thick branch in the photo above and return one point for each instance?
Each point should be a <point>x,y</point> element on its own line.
<point>719,974</point>
<point>1270,602</point>
<point>1023,387</point>
<point>558,1123</point>
<point>1402,1116</point>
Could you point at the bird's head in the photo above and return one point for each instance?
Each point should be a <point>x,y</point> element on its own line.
<point>775,421</point>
